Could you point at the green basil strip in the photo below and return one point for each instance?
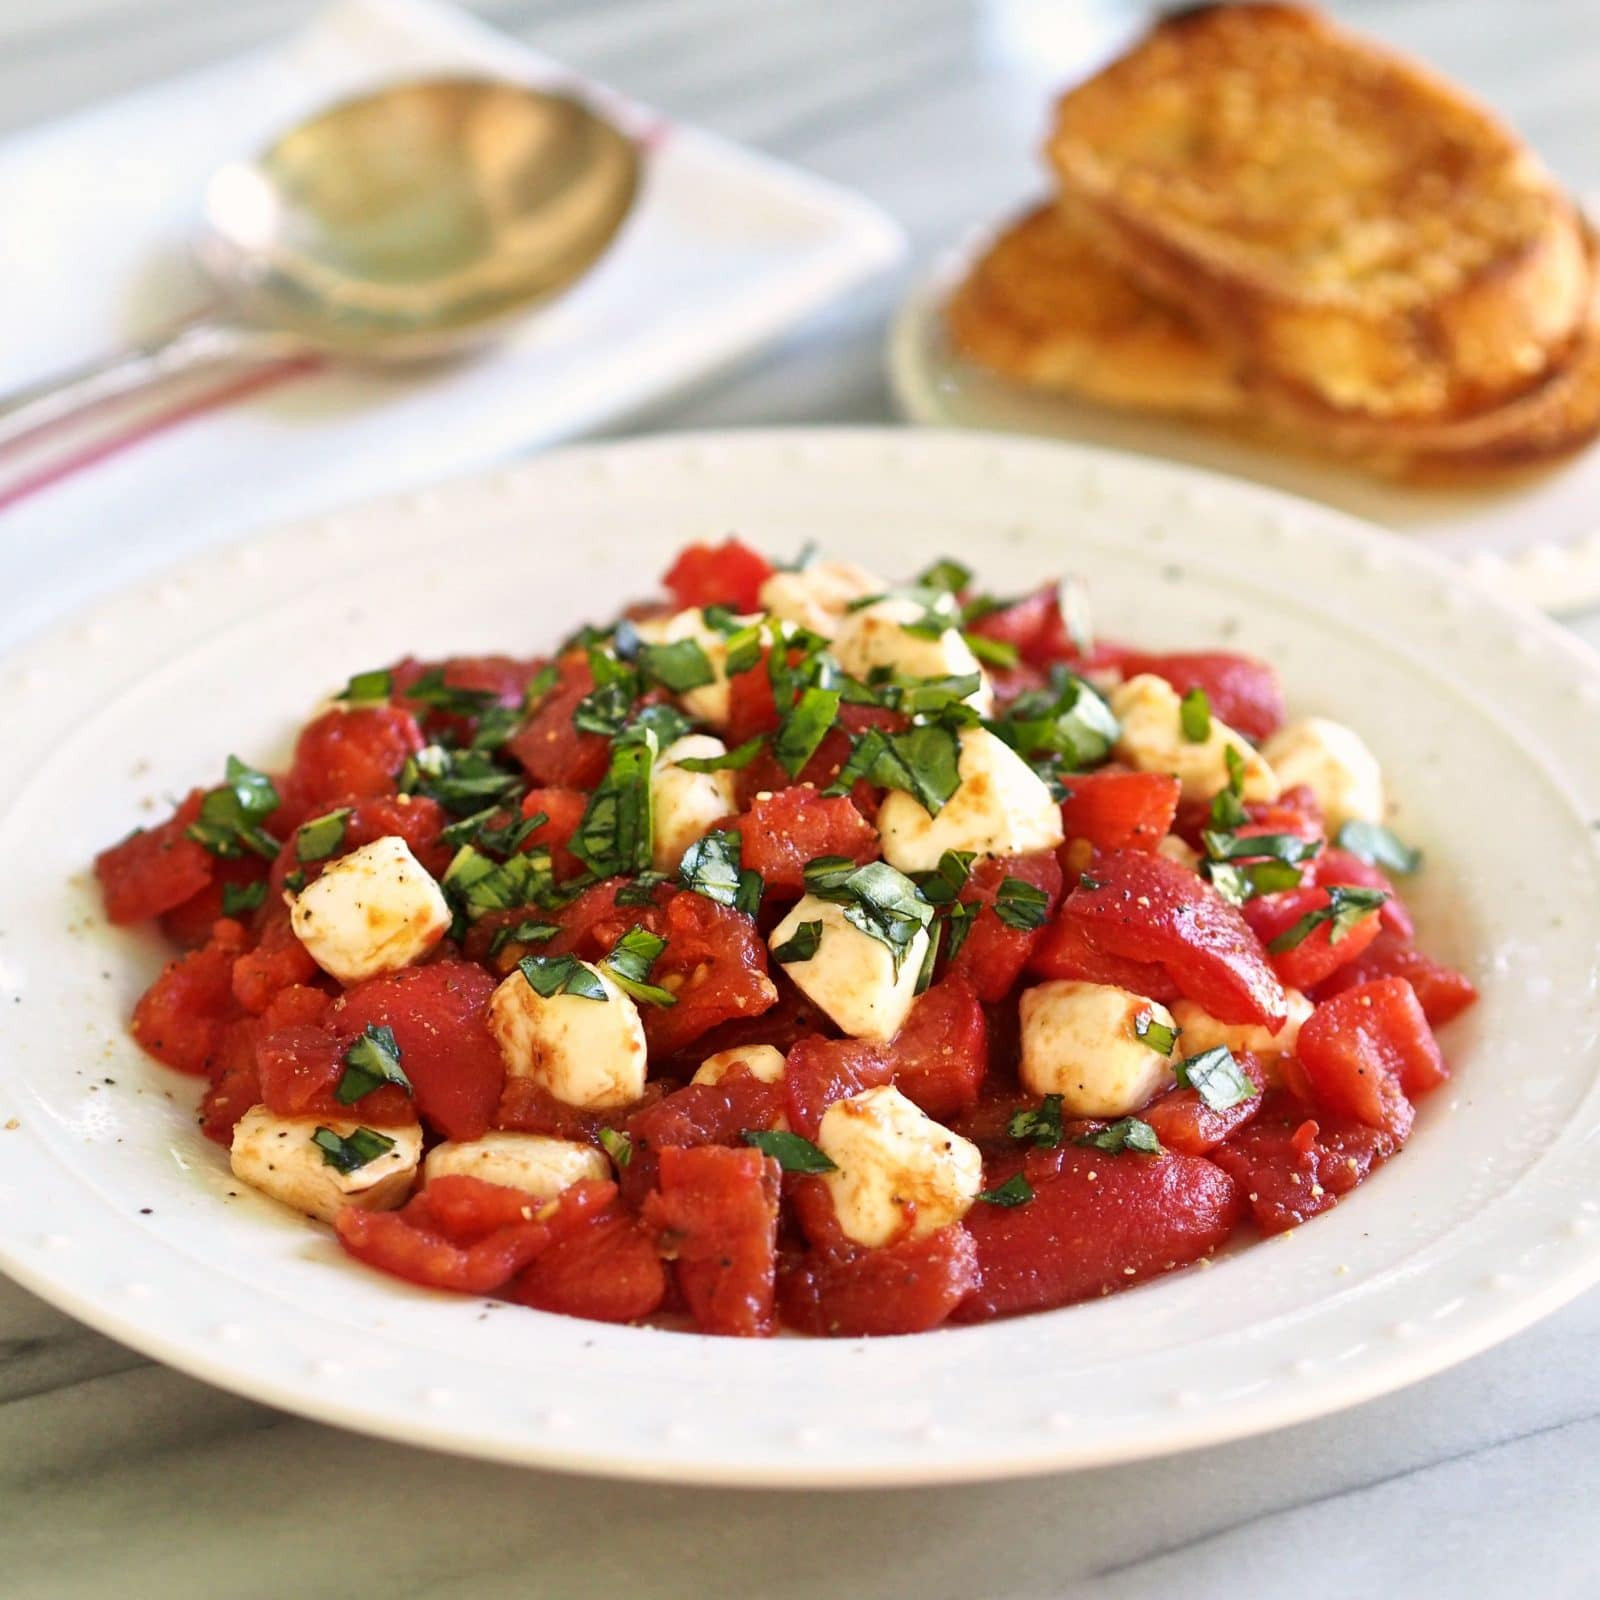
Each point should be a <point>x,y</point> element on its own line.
<point>1042,1124</point>
<point>630,962</point>
<point>800,946</point>
<point>321,837</point>
<point>1217,1078</point>
<point>1015,1191</point>
<point>549,976</point>
<point>370,1063</point>
<point>352,1152</point>
<point>1378,847</point>
<point>789,1150</point>
<point>1126,1133</point>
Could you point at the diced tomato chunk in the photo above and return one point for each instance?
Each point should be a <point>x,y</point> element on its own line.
<point>993,954</point>
<point>563,809</point>
<point>550,747</point>
<point>1066,950</point>
<point>1366,1050</point>
<point>278,961</point>
<point>181,1018</point>
<point>1443,992</point>
<point>728,574</point>
<point>235,1085</point>
<point>189,924</point>
<point>503,679</point>
<point>1242,692</point>
<point>1120,810</point>
<point>697,1114</point>
<point>354,752</point>
<point>752,707</point>
<point>1291,1169</point>
<point>909,1286</point>
<point>781,831</point>
<point>716,1216</point>
<point>607,1270</point>
<point>820,1071</point>
<point>526,1107</point>
<point>440,1017</point>
<point>1334,865</point>
<point>299,1068</point>
<point>1035,625</point>
<point>765,773</point>
<point>1096,1223</point>
<point>1185,1123</point>
<point>155,869</point>
<point>1148,910</point>
<point>939,1057</point>
<point>1316,955</point>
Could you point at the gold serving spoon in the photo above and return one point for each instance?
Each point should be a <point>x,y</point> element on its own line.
<point>407,224</point>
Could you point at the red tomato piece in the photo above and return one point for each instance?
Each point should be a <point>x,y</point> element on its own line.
<point>1242,692</point>
<point>939,1057</point>
<point>181,1018</point>
<point>1443,992</point>
<point>716,1216</point>
<point>764,773</point>
<point>299,1069</point>
<point>1096,1223</point>
<point>1034,624</point>
<point>780,832</point>
<point>728,574</point>
<point>1334,865</point>
<point>909,1286</point>
<point>553,751</point>
<point>1147,909</point>
<point>1120,810</point>
<point>1367,1051</point>
<point>235,1085</point>
<point>564,809</point>
<point>155,869</point>
<point>278,960</point>
<point>1292,1170</point>
<point>1185,1123</point>
<point>697,1114</point>
<point>440,1017</point>
<point>1066,950</point>
<point>504,678</point>
<point>525,1107</point>
<point>993,954</point>
<point>605,1271</point>
<point>189,924</point>
<point>820,1071</point>
<point>356,752</point>
<point>1316,955</point>
<point>752,709</point>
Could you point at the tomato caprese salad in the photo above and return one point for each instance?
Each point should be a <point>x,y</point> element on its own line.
<point>798,950</point>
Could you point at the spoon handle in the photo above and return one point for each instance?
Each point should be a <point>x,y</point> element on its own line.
<point>188,347</point>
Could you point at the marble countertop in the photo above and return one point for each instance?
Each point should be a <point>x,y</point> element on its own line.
<point>120,1477</point>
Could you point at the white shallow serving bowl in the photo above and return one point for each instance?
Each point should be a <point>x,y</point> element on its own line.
<point>118,1212</point>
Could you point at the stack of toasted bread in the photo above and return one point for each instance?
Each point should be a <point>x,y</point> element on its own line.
<point>1264,221</point>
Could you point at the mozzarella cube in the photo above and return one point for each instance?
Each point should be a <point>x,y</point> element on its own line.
<point>685,806</point>
<point>583,1052</point>
<point>528,1161</point>
<point>710,701</point>
<point>852,975</point>
<point>819,596</point>
<point>1080,1041</point>
<point>764,1062</point>
<point>1202,1031</point>
<point>877,636</point>
<point>374,910</point>
<point>278,1156</point>
<point>1001,808</point>
<point>1334,763</point>
<point>899,1174</point>
<point>1153,740</point>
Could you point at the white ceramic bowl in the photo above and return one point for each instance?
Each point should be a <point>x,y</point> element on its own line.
<point>119,1212</point>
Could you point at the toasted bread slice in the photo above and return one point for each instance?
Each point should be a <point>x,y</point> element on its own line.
<point>1042,305</point>
<point>1329,214</point>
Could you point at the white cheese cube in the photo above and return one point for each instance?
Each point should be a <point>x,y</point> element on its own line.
<point>1080,1041</point>
<point>278,1156</point>
<point>584,1052</point>
<point>852,975</point>
<point>764,1062</point>
<point>1202,1031</point>
<point>374,910</point>
<point>1335,764</point>
<point>531,1162</point>
<point>899,1173</point>
<point>1153,740</point>
<point>710,701</point>
<point>685,806</point>
<point>818,596</point>
<point>1001,808</point>
<point>877,636</point>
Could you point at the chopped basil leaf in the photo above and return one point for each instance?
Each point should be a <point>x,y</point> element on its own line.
<point>1015,1191</point>
<point>666,722</point>
<point>734,760</point>
<point>432,691</point>
<point>462,781</point>
<point>616,1145</point>
<point>881,902</point>
<point>945,574</point>
<point>917,697</point>
<point>1345,908</point>
<point>1086,882</point>
<point>605,709</point>
<point>804,557</point>
<point>1021,906</point>
<point>629,964</point>
<point>496,725</point>
<point>992,652</point>
<point>1227,805</point>
<point>476,885</point>
<point>370,1063</point>
<point>614,835</point>
<point>789,1150</point>
<point>743,650</point>
<point>237,897</point>
<point>539,685</point>
<point>944,884</point>
<point>1378,847</point>
<point>1066,721</point>
<point>1258,846</point>
<point>322,836</point>
<point>368,688</point>
<point>679,666</point>
<point>549,976</point>
<point>1042,1124</point>
<point>930,957</point>
<point>231,815</point>
<point>1236,883</point>
<point>801,947</point>
<point>640,891</point>
<point>1126,1133</point>
<point>1157,1035</point>
<point>958,923</point>
<point>924,761</point>
<point>294,881</point>
<point>528,931</point>
<point>803,728</point>
<point>1194,716</point>
<point>1217,1078</point>
<point>354,1151</point>
<point>710,866</point>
